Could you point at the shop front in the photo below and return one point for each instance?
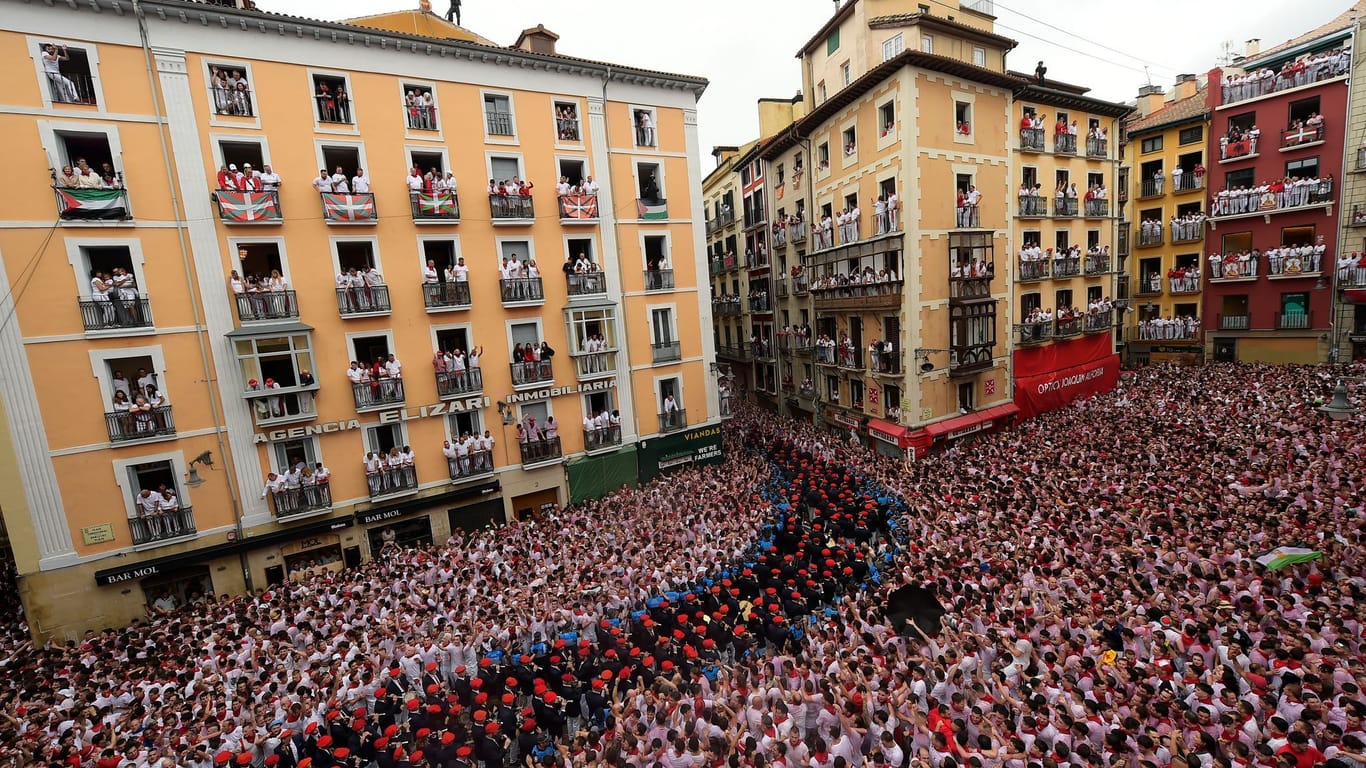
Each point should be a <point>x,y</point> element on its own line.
<point>472,517</point>
<point>959,427</point>
<point>529,506</point>
<point>312,556</point>
<point>669,453</point>
<point>891,440</point>
<point>412,523</point>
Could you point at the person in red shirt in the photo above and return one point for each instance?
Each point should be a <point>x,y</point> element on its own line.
<point>1306,754</point>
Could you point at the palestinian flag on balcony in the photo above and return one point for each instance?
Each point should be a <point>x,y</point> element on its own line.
<point>579,206</point>
<point>657,209</point>
<point>93,203</point>
<point>247,207</point>
<point>436,204</point>
<point>349,208</point>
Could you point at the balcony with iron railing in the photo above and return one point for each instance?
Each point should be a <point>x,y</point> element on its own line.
<point>1030,270</point>
<point>674,420</point>
<point>1294,321</point>
<point>1064,207</point>
<point>1067,327</point>
<point>1096,263</point>
<point>111,313</point>
<point>965,359</point>
<point>377,394</point>
<point>356,208</point>
<point>968,217</point>
<point>248,207</point>
<point>441,207</point>
<point>419,116</point>
<point>968,282</point>
<point>1032,207</point>
<point>161,526</point>
<point>849,358</point>
<point>876,295</point>
<point>541,451</point>
<point>140,423</point>
<point>659,279</point>
<point>761,348</point>
<point>780,289</point>
<point>1297,195</point>
<point>801,284</point>
<point>586,284</point>
<point>463,383</point>
<point>1065,143</point>
<point>473,464</point>
<point>1152,187</point>
<point>363,301</point>
<point>521,291</point>
<point>1066,267</point>
<point>1149,284</point>
<point>1301,137</point>
<point>666,351</point>
<point>760,304</point>
<point>734,351</point>
<point>1033,333</point>
<point>1233,322</point>
<point>296,502</point>
<point>532,372</point>
<point>1098,322</point>
<point>885,363</point>
<point>446,295</point>
<point>84,204</point>
<point>1160,329</point>
<point>579,209</point>
<point>79,88</point>
<point>1184,281</point>
<point>825,354</point>
<point>512,209</point>
<point>1096,209</point>
<point>1151,234</point>
<point>797,232</point>
<point>727,306</point>
<point>599,364</point>
<point>602,438</point>
<point>266,305</point>
<point>1187,182</point>
<point>1032,139</point>
<point>1097,147</point>
<point>499,123</point>
<point>395,481</point>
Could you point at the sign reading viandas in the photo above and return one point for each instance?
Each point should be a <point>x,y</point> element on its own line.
<point>668,453</point>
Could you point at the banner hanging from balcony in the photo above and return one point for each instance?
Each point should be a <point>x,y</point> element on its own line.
<point>657,209</point>
<point>667,453</point>
<point>1048,378</point>
<point>93,203</point>
<point>436,204</point>
<point>578,206</point>
<point>249,206</point>
<point>349,207</point>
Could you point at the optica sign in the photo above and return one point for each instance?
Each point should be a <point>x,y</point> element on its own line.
<point>1049,378</point>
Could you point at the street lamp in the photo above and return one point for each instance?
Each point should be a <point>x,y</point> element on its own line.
<point>1339,408</point>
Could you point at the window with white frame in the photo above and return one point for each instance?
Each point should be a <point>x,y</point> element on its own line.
<point>567,127</point>
<point>69,73</point>
<point>239,156</point>
<point>846,73</point>
<point>886,118</point>
<point>926,44</point>
<point>979,56</point>
<point>962,116</point>
<point>849,139</point>
<point>498,118</point>
<point>295,453</point>
<point>87,152</point>
<point>230,90</point>
<point>823,156</point>
<point>644,122</point>
<point>332,99</point>
<point>592,330</point>
<point>462,423</point>
<point>384,438</point>
<point>277,374</point>
<point>892,46</point>
<point>419,107</point>
<point>504,168</point>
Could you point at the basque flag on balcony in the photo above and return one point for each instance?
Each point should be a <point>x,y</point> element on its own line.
<point>579,206</point>
<point>249,206</point>
<point>338,207</point>
<point>436,204</point>
<point>93,203</point>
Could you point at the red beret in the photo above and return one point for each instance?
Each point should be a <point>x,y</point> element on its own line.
<point>272,760</point>
<point>464,751</point>
<point>447,737</point>
<point>381,742</point>
<point>222,758</point>
<point>508,698</point>
<point>491,728</point>
<point>423,733</point>
<point>390,730</point>
<point>304,763</point>
<point>324,741</point>
<point>341,753</point>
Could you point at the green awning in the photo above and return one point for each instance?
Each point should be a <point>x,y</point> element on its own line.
<point>593,477</point>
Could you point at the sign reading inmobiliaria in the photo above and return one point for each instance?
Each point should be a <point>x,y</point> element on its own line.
<point>1048,378</point>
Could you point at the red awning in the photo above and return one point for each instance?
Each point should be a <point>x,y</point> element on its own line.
<point>884,429</point>
<point>967,424</point>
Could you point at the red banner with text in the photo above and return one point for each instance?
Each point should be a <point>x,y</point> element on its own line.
<point>1048,378</point>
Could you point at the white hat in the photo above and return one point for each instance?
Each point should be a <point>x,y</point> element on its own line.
<point>232,166</point>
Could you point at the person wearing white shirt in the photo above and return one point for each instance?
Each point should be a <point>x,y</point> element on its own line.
<point>415,181</point>
<point>338,181</point>
<point>270,180</point>
<point>360,183</point>
<point>167,507</point>
<point>431,283</point>
<point>323,184</point>
<point>356,373</point>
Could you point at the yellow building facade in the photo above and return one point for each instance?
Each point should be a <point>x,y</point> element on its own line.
<point>1164,266</point>
<point>178,101</point>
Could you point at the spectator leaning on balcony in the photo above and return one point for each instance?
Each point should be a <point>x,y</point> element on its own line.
<point>269,179</point>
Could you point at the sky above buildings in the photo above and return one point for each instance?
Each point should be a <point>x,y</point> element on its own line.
<point>747,48</point>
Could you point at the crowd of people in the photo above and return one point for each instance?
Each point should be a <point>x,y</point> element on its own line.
<point>511,198</point>
<point>248,179</point>
<point>299,487</point>
<point>519,280</point>
<point>380,382</point>
<point>865,281</point>
<point>1302,71</point>
<point>1189,226</point>
<point>433,182</point>
<point>115,294</point>
<point>1178,328</point>
<point>390,472</point>
<point>567,121</point>
<point>1304,258</point>
<point>1288,192</point>
<point>1184,279</point>
<point>471,454</point>
<point>532,362</point>
<point>420,108</point>
<point>1351,268</point>
<point>137,405</point>
<point>82,176</point>
<point>1101,568</point>
<point>231,92</point>
<point>337,183</point>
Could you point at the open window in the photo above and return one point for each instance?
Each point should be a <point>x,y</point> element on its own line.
<point>161,514</point>
<point>1302,110</point>
<point>823,156</point>
<point>68,72</point>
<point>572,170</point>
<point>962,117</point>
<point>452,339</point>
<point>643,120</point>
<point>242,154</point>
<point>384,438</point>
<point>80,149</point>
<point>341,159</point>
<point>849,141</point>
<point>567,126</point>
<point>427,161</point>
<point>419,107</point>
<point>442,253</point>
<point>650,184</point>
<point>230,90</point>
<point>259,261</point>
<point>332,99</point>
<point>886,121</point>
<point>355,254</point>
<point>367,350</point>
<point>277,376</point>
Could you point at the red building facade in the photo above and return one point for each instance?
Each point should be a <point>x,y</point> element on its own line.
<point>1275,161</point>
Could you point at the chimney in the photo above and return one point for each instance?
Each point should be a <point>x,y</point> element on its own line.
<point>1252,47</point>
<point>1186,86</point>
<point>538,39</point>
<point>1150,99</point>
